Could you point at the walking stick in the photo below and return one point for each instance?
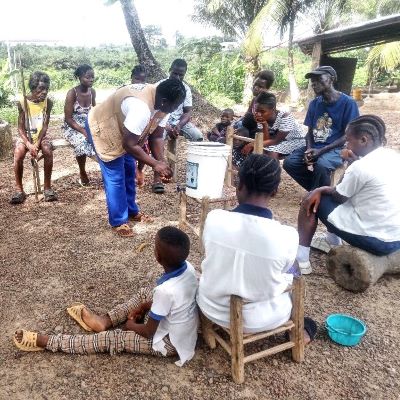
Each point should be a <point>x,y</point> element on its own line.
<point>35,166</point>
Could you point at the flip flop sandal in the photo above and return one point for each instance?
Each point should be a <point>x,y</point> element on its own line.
<point>28,341</point>
<point>75,312</point>
<point>50,195</point>
<point>83,184</point>
<point>123,230</point>
<point>18,198</point>
<point>158,188</point>
<point>141,217</point>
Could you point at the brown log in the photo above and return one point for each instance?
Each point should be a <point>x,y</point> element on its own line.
<point>356,270</point>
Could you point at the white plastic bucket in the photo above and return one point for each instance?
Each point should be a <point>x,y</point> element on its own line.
<point>205,169</point>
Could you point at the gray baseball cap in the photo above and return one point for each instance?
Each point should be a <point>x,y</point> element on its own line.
<point>325,69</point>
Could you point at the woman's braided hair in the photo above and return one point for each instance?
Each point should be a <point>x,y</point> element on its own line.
<point>260,174</point>
<point>371,124</point>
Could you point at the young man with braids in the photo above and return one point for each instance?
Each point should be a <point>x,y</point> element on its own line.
<point>249,254</point>
<point>364,208</point>
<point>327,117</point>
<point>118,128</point>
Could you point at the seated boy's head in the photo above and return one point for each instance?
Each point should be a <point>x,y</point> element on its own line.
<point>138,74</point>
<point>262,82</point>
<point>172,247</point>
<point>39,84</point>
<point>227,116</point>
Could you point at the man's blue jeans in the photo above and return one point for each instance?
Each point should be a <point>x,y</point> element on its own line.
<point>321,175</point>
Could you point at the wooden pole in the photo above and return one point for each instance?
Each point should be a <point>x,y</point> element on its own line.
<point>205,205</point>
<point>236,333</point>
<point>258,143</point>
<point>171,156</point>
<point>315,60</point>
<point>297,332</point>
<point>229,142</point>
<point>182,209</point>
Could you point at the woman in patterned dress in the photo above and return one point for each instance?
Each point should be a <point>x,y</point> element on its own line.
<point>78,102</point>
<point>282,133</point>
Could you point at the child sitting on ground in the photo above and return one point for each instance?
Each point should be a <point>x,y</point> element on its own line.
<point>218,133</point>
<point>170,326</point>
<point>36,117</point>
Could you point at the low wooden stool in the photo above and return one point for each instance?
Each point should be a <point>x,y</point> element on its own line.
<point>237,339</point>
<point>205,208</point>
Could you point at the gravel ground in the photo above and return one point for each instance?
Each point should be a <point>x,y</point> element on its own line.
<point>52,254</point>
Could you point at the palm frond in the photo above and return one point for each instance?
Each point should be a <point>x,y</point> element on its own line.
<point>386,56</point>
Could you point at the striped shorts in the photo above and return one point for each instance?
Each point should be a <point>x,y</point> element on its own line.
<point>113,341</point>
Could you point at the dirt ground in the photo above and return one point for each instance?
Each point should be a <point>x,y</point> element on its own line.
<point>52,254</point>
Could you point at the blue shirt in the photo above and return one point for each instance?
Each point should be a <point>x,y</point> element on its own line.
<point>250,209</point>
<point>329,120</point>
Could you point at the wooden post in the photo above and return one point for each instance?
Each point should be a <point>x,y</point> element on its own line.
<point>205,204</point>
<point>229,142</point>
<point>236,333</point>
<point>36,175</point>
<point>171,156</point>
<point>315,60</point>
<point>182,209</point>
<point>207,331</point>
<point>258,143</point>
<point>297,332</point>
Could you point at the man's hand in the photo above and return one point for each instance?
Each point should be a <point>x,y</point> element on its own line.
<point>311,201</point>
<point>311,156</point>
<point>163,169</point>
<point>248,148</point>
<point>173,131</point>
<point>129,325</point>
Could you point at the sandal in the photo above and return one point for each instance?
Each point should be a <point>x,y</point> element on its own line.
<point>50,195</point>
<point>28,341</point>
<point>83,184</point>
<point>158,188</point>
<point>123,230</point>
<point>75,312</point>
<point>18,198</point>
<point>141,217</point>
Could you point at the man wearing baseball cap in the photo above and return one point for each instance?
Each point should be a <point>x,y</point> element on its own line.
<point>327,117</point>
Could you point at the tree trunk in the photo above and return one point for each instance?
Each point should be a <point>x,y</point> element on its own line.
<point>138,40</point>
<point>251,66</point>
<point>294,90</point>
<point>202,110</point>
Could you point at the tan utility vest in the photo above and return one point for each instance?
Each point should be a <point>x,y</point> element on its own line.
<point>106,120</point>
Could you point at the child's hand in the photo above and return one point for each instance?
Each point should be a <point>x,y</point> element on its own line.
<point>248,149</point>
<point>136,314</point>
<point>129,325</point>
<point>348,155</point>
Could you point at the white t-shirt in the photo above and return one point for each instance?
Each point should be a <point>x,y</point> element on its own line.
<point>137,115</point>
<point>372,186</point>
<point>176,115</point>
<point>247,256</point>
<point>174,305</point>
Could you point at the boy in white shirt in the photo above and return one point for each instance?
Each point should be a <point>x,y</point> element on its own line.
<point>170,327</point>
<point>364,208</point>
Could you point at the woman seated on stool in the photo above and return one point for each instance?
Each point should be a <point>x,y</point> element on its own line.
<point>249,254</point>
<point>364,208</point>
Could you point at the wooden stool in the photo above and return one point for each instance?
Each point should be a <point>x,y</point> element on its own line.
<point>237,339</point>
<point>205,208</point>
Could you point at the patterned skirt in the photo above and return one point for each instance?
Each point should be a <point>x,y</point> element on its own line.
<point>80,144</point>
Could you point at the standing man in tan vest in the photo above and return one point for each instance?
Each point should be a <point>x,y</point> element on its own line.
<point>118,127</point>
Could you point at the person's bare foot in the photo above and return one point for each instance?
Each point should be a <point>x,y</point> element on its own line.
<point>41,340</point>
<point>84,181</point>
<point>98,323</point>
